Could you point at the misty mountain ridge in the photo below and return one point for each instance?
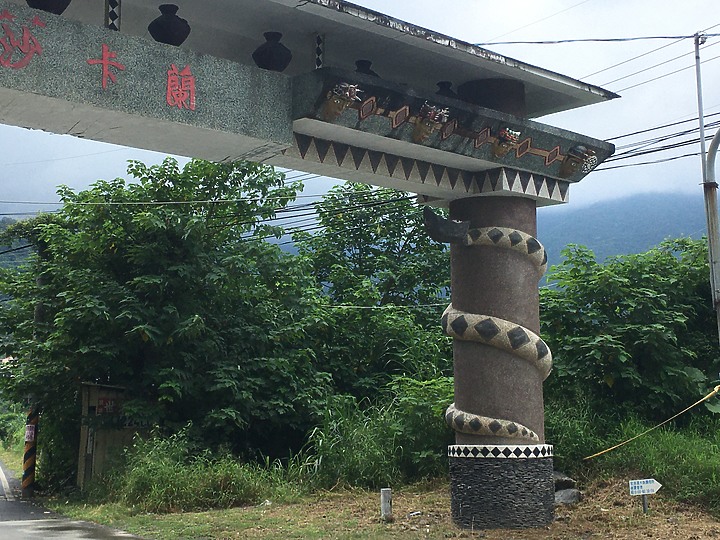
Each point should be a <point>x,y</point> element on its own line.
<point>624,226</point>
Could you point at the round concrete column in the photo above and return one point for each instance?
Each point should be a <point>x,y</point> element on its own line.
<point>498,479</point>
<point>501,283</point>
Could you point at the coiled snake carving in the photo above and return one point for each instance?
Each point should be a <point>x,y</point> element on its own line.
<point>500,333</point>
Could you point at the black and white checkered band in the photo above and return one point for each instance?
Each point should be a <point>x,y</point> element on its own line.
<point>319,51</point>
<point>500,451</point>
<point>112,14</point>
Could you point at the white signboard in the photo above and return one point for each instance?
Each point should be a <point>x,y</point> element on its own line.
<point>647,486</point>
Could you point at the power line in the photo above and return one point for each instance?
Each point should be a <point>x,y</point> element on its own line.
<point>601,168</point>
<point>540,20</point>
<point>63,158</point>
<point>688,53</point>
<point>631,59</point>
<point>15,249</point>
<point>645,54</point>
<point>647,147</point>
<point>694,119</point>
<point>666,75</point>
<point>589,40</point>
<point>640,152</point>
<point>385,306</point>
<point>163,203</point>
<point>389,203</point>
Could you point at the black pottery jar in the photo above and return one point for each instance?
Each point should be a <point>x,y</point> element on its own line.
<point>169,28</point>
<point>363,66</point>
<point>272,55</point>
<point>51,6</point>
<point>445,89</point>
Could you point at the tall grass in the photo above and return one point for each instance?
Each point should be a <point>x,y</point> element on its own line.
<point>574,428</point>
<point>686,462</point>
<point>379,444</point>
<point>12,425</point>
<point>12,431</point>
<point>161,475</point>
<point>403,440</point>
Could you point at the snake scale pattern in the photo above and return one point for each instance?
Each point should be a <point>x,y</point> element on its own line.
<point>500,333</point>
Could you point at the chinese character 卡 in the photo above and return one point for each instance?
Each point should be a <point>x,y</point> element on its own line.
<point>107,61</point>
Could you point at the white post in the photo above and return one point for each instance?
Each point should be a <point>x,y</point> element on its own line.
<point>386,505</point>
<point>710,189</point>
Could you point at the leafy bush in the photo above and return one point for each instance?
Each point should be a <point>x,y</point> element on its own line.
<point>638,332</point>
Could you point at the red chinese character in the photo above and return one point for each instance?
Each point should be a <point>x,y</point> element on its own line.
<point>180,88</point>
<point>28,45</point>
<point>107,62</point>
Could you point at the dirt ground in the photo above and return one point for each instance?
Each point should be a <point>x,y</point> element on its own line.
<point>607,511</point>
<point>421,512</point>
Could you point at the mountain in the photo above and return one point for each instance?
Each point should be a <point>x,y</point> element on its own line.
<point>621,226</point>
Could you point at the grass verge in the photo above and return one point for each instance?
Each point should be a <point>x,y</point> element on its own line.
<point>422,511</point>
<point>11,457</point>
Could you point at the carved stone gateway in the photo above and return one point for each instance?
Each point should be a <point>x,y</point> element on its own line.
<point>95,72</point>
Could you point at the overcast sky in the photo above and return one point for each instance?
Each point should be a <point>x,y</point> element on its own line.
<point>33,163</point>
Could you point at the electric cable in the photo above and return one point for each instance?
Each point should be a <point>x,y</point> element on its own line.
<point>12,250</point>
<point>590,40</point>
<point>665,75</point>
<point>632,59</point>
<point>662,138</point>
<point>664,160</point>
<point>645,53</point>
<point>693,119</point>
<point>683,55</point>
<point>539,20</point>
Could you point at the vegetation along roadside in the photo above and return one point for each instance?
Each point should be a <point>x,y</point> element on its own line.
<point>300,377</point>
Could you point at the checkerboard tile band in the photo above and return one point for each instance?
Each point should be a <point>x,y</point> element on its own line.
<point>112,14</point>
<point>319,51</point>
<point>535,451</point>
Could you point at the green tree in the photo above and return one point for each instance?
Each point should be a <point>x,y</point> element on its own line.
<point>638,331</point>
<point>166,287</point>
<point>386,283</point>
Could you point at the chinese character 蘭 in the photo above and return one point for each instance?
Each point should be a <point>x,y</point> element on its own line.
<point>181,88</point>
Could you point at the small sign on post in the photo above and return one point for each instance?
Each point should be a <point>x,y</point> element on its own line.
<point>644,487</point>
<point>30,433</point>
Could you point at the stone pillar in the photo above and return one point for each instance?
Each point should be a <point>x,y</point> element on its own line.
<point>500,467</point>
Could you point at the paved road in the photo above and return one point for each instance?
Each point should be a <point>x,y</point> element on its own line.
<point>22,520</point>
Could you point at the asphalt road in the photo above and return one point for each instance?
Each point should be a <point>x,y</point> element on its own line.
<point>23,520</point>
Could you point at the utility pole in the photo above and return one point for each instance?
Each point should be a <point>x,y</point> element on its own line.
<point>710,190</point>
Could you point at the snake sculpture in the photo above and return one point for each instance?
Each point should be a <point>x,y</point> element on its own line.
<point>493,331</point>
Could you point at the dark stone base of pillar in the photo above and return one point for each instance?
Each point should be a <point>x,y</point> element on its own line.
<point>501,487</point>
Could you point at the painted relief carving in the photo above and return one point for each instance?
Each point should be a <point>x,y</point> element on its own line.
<point>18,52</point>
<point>107,61</point>
<point>338,99</point>
<point>578,157</point>
<point>180,88</point>
<point>506,140</point>
<point>429,119</point>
